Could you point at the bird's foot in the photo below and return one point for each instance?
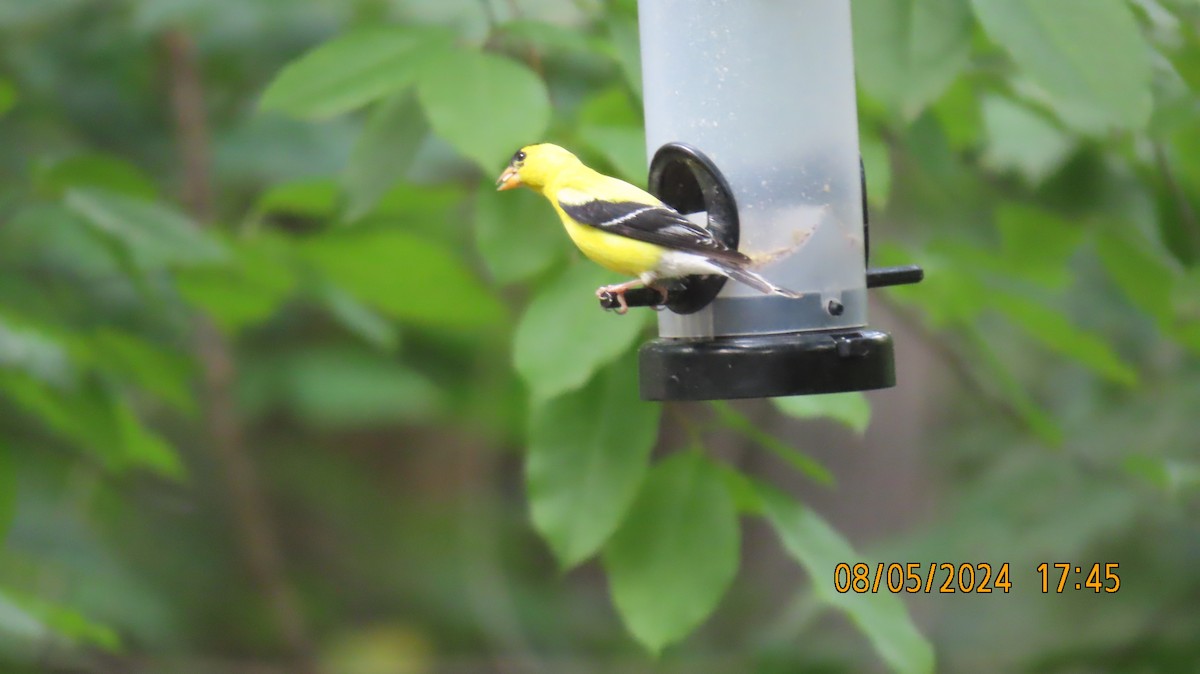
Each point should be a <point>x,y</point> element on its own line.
<point>662,294</point>
<point>617,291</point>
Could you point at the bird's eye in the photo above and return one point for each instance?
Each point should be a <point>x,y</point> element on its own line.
<point>519,156</point>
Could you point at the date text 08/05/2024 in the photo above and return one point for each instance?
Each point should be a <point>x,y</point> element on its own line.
<point>979,578</point>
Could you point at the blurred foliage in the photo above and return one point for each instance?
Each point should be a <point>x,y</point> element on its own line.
<point>399,335</point>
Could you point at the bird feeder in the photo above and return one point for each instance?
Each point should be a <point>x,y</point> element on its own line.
<point>752,127</point>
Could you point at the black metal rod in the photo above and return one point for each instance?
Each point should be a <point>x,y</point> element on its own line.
<point>638,297</point>
<point>881,277</point>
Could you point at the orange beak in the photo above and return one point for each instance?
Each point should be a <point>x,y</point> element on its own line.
<point>508,180</point>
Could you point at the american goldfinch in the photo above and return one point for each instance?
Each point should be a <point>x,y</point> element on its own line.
<point>624,228</point>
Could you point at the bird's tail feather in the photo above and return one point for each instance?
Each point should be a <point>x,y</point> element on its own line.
<point>755,281</point>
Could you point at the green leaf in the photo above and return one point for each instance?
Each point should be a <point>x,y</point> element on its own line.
<point>53,236</point>
<point>242,294</point>
<point>337,387</point>
<point>948,295</point>
<point>623,34</point>
<point>849,409</point>
<point>63,621</point>
<point>1182,151</point>
<point>95,419</point>
<point>358,318</point>
<point>802,462</point>
<point>142,447</point>
<point>31,350</point>
<point>548,37</point>
<point>819,548</point>
<point>623,147</point>
<point>517,234</point>
<point>611,126</point>
<point>8,96</point>
<point>564,336</point>
<point>1141,273</point>
<point>676,553</point>
<point>1021,140</point>
<point>384,153</point>
<point>1051,327</point>
<point>8,489</point>
<point>404,276</point>
<point>1171,475</point>
<point>1185,305</point>
<point>908,51</point>
<point>1011,390</point>
<point>1037,243</point>
<point>79,415</point>
<point>1088,56</point>
<point>484,105</point>
<point>425,209</point>
<point>1178,190</point>
<point>743,490</point>
<point>958,114</point>
<point>163,373</point>
<point>352,70</point>
<point>17,624</point>
<point>101,171</point>
<point>878,167</point>
<point>315,198</point>
<point>1175,79</point>
<point>20,14</point>
<point>154,235</point>
<point>588,452</point>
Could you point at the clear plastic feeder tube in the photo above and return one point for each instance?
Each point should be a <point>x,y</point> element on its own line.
<point>765,88</point>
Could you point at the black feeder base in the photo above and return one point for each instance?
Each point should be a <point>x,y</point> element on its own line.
<point>761,366</point>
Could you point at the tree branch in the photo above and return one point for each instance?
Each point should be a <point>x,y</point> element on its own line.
<point>256,534</point>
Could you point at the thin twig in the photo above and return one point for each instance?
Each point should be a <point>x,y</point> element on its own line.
<point>191,125</point>
<point>257,536</point>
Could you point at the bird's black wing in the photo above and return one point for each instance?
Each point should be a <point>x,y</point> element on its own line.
<point>652,224</point>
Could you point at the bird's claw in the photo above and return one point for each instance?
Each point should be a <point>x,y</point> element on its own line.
<point>663,296</point>
<point>615,294</point>
<point>607,293</point>
<point>623,306</point>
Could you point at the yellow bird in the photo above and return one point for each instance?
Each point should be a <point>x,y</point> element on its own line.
<point>624,228</point>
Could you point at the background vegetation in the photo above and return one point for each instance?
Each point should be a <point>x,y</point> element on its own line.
<point>286,386</point>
